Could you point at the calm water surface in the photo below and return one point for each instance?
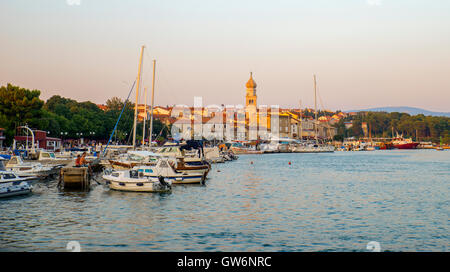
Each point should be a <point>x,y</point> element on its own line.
<point>322,202</point>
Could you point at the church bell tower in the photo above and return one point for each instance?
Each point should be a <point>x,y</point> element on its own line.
<point>250,97</point>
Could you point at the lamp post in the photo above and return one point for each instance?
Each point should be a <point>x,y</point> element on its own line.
<point>62,137</point>
<point>79,135</point>
<point>92,135</point>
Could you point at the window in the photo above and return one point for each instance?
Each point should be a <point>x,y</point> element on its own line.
<point>9,176</point>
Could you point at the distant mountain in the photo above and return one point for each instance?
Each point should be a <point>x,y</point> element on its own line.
<point>410,110</point>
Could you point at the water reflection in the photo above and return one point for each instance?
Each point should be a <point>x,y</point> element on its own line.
<point>321,202</point>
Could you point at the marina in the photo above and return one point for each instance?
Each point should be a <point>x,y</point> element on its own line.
<point>251,127</point>
<point>321,202</point>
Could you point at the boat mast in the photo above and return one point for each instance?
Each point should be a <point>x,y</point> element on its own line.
<point>137,96</point>
<point>315,109</point>
<point>301,121</point>
<point>145,116</point>
<point>153,101</point>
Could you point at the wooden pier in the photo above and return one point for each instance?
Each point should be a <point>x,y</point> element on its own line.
<point>75,177</point>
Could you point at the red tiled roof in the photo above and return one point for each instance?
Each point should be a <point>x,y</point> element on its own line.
<point>102,107</point>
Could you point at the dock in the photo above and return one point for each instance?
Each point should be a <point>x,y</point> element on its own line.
<point>75,177</point>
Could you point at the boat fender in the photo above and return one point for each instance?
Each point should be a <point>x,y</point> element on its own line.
<point>162,181</point>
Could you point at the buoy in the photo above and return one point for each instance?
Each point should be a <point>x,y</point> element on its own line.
<point>289,163</point>
<point>251,162</point>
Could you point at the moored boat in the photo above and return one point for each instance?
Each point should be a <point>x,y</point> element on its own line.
<point>239,148</point>
<point>401,143</point>
<point>29,169</point>
<point>133,181</point>
<point>134,158</point>
<point>386,146</point>
<point>13,185</point>
<point>167,170</point>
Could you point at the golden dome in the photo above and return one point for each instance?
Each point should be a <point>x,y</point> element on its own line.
<point>251,84</point>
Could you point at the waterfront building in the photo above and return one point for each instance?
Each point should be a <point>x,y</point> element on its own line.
<point>246,123</point>
<point>40,141</point>
<point>102,107</point>
<point>348,125</point>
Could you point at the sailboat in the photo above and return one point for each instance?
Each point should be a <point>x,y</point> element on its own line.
<point>314,147</point>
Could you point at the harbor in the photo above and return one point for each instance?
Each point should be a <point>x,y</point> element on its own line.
<point>320,202</point>
<point>255,180</point>
<point>224,135</point>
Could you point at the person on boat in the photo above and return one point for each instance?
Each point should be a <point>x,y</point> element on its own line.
<point>78,161</point>
<point>83,160</point>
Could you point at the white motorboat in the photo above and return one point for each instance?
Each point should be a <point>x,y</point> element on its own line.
<point>50,158</point>
<point>271,147</point>
<point>229,156</point>
<point>212,154</point>
<point>132,181</point>
<point>65,155</point>
<point>177,152</point>
<point>29,169</point>
<point>134,158</point>
<point>166,169</point>
<point>12,185</point>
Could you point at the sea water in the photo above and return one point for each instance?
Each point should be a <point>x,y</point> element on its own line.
<point>274,202</point>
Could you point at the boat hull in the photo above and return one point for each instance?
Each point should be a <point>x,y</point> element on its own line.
<point>386,146</point>
<point>406,146</point>
<point>140,185</point>
<point>189,179</point>
<point>15,193</point>
<point>9,189</point>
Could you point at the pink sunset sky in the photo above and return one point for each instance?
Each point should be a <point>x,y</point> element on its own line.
<point>364,53</point>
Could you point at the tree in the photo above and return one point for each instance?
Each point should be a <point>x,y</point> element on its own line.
<point>18,106</point>
<point>114,103</point>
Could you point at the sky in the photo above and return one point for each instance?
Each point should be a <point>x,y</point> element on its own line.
<point>365,53</point>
